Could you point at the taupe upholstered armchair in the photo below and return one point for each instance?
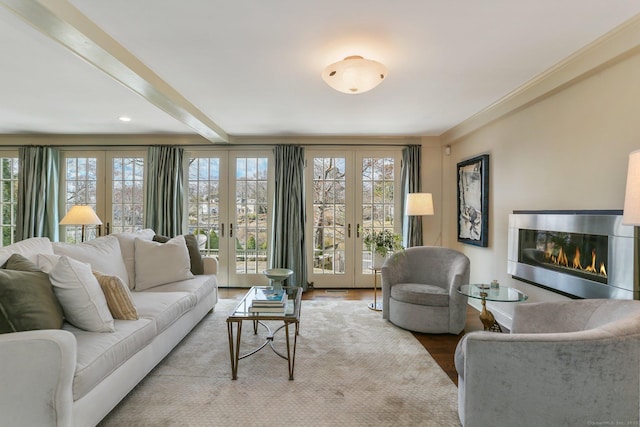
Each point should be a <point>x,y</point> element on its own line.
<point>565,363</point>
<point>419,289</point>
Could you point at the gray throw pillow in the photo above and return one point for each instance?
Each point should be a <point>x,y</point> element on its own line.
<point>27,301</point>
<point>197,266</point>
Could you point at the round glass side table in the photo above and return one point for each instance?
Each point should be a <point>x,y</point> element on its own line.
<point>487,293</point>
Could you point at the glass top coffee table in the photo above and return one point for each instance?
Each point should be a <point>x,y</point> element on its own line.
<point>488,293</point>
<point>245,310</point>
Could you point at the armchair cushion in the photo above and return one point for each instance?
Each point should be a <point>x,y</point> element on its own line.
<point>418,293</point>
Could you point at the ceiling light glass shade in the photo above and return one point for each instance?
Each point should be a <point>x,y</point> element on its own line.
<point>354,74</point>
<point>631,213</point>
<point>81,215</point>
<point>419,204</point>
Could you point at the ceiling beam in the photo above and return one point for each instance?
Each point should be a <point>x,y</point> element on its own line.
<point>64,23</point>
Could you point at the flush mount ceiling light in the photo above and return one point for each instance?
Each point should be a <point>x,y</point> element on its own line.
<point>354,74</point>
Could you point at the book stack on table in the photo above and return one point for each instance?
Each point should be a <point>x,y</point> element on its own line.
<point>268,301</point>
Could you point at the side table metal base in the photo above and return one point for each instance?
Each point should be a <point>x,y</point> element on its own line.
<point>377,306</point>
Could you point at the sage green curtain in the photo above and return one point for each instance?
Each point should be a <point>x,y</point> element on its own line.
<point>38,193</point>
<point>412,227</point>
<point>287,238</point>
<point>164,197</point>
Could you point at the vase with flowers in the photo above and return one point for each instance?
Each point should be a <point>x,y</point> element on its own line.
<point>382,244</point>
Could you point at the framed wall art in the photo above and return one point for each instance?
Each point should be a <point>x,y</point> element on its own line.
<point>473,201</point>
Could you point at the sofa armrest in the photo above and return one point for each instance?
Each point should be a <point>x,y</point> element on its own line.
<point>553,379</point>
<point>210,264</point>
<point>36,378</point>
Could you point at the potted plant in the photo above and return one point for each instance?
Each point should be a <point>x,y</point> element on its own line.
<point>381,244</point>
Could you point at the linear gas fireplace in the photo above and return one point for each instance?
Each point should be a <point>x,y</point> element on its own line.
<point>580,254</point>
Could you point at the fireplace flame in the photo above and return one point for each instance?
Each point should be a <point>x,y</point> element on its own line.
<point>592,267</point>
<point>603,270</point>
<point>576,260</point>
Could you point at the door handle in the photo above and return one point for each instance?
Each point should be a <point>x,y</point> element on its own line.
<point>222,229</point>
<point>349,230</point>
<point>231,230</point>
<point>358,231</point>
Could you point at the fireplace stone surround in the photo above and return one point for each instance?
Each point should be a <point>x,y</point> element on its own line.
<point>579,254</point>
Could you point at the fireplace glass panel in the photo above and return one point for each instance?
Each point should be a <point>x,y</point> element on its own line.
<point>576,254</point>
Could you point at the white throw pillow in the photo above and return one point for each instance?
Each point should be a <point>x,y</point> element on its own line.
<point>127,247</point>
<point>80,295</point>
<point>161,263</point>
<point>103,254</point>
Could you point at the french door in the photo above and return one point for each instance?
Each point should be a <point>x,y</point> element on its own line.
<point>348,193</point>
<point>229,205</point>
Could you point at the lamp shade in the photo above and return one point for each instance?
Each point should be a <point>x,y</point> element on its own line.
<point>354,74</point>
<point>419,204</point>
<point>631,214</point>
<point>81,215</point>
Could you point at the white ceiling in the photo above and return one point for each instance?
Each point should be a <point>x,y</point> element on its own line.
<point>252,67</point>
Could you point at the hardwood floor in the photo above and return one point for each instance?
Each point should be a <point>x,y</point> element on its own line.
<point>441,346</point>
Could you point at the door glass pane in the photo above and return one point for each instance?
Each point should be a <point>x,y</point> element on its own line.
<point>127,194</point>
<point>329,186</point>
<point>378,179</point>
<point>9,183</point>
<point>81,189</point>
<point>250,226</point>
<point>203,205</point>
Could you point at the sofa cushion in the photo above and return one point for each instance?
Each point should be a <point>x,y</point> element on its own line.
<point>127,247</point>
<point>199,286</point>
<point>195,257</point>
<point>27,301</point>
<point>103,254</point>
<point>421,294</point>
<point>118,297</point>
<point>163,308</point>
<point>29,248</point>
<point>79,293</point>
<point>161,263</point>
<point>98,355</point>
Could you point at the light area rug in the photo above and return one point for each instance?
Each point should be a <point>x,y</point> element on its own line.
<point>352,368</point>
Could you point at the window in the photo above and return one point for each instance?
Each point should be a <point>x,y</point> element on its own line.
<point>127,194</point>
<point>81,182</point>
<point>204,198</point>
<point>9,182</point>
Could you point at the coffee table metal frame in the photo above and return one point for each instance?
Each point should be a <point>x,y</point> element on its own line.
<point>242,313</point>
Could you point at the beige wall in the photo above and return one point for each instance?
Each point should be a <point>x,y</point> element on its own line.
<point>566,151</point>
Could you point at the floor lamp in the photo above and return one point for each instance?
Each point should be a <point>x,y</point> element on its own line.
<point>81,215</point>
<point>419,204</point>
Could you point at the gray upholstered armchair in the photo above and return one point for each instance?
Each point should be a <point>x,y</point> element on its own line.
<point>565,363</point>
<point>419,289</point>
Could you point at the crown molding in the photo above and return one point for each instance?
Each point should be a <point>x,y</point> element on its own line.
<point>618,44</point>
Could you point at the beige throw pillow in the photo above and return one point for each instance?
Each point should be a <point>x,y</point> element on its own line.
<point>118,297</point>
<point>161,263</point>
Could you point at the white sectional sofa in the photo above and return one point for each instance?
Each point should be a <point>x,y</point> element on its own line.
<point>70,376</point>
